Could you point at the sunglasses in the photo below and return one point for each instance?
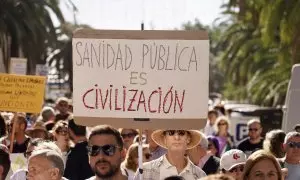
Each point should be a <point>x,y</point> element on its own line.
<point>294,144</point>
<point>148,156</point>
<point>128,135</point>
<point>27,154</point>
<point>108,150</point>
<point>253,129</point>
<point>236,169</point>
<point>172,132</point>
<point>62,132</point>
<point>222,124</point>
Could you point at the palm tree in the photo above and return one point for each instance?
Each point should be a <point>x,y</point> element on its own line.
<point>262,43</point>
<point>27,30</point>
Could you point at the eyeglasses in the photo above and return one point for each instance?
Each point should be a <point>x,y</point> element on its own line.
<point>62,132</point>
<point>253,129</point>
<point>294,144</point>
<point>172,132</point>
<point>129,135</point>
<point>235,169</point>
<point>108,150</point>
<point>222,124</point>
<point>148,156</point>
<point>27,154</point>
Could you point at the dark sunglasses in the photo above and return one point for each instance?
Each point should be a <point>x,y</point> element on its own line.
<point>108,150</point>
<point>172,132</point>
<point>129,135</point>
<point>148,156</point>
<point>294,144</point>
<point>235,169</point>
<point>253,129</point>
<point>222,124</point>
<point>62,132</point>
<point>27,154</point>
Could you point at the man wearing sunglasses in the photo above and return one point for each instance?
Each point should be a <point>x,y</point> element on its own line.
<point>105,148</point>
<point>174,162</point>
<point>292,159</point>
<point>254,141</point>
<point>232,163</point>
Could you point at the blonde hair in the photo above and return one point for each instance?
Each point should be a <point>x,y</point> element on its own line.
<point>132,153</point>
<point>219,119</point>
<point>258,156</point>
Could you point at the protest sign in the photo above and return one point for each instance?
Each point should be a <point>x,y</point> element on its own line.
<point>159,77</point>
<point>21,93</point>
<point>18,66</point>
<point>18,161</point>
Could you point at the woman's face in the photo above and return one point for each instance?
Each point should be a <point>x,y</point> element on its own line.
<point>62,135</point>
<point>212,148</point>
<point>263,170</point>
<point>222,125</point>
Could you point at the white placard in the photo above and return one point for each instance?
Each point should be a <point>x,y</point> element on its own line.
<point>126,78</point>
<point>18,66</point>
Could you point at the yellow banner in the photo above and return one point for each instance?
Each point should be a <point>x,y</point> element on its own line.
<point>20,93</point>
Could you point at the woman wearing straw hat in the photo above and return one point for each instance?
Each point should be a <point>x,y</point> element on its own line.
<point>174,162</point>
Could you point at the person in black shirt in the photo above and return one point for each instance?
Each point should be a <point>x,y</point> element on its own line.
<point>21,140</point>
<point>254,141</point>
<point>77,165</point>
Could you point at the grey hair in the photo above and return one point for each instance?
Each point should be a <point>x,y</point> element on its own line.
<point>48,145</point>
<point>290,135</point>
<point>203,142</point>
<point>47,112</point>
<point>253,121</point>
<point>52,156</point>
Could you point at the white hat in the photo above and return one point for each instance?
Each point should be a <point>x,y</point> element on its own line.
<point>232,158</point>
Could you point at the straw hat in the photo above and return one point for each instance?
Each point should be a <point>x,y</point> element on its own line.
<point>38,126</point>
<point>158,138</point>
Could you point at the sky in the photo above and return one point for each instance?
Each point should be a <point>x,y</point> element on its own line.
<point>156,14</point>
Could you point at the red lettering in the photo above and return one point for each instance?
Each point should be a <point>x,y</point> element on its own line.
<point>132,99</point>
<point>83,99</point>
<point>142,101</point>
<point>116,100</point>
<point>124,97</point>
<point>149,102</point>
<point>177,100</point>
<point>103,104</point>
<point>165,101</point>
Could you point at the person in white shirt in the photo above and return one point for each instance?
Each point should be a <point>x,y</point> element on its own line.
<point>174,162</point>
<point>209,128</point>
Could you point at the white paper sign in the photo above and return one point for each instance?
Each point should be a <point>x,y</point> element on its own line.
<point>18,161</point>
<point>128,78</point>
<point>18,66</point>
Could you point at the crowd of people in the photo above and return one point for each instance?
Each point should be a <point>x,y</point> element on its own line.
<point>57,148</point>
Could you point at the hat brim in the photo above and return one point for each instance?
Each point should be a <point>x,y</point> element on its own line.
<point>235,165</point>
<point>158,138</point>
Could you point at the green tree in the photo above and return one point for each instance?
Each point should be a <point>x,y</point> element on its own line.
<point>262,44</point>
<point>27,30</point>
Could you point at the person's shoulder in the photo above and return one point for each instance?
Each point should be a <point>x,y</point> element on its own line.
<point>154,163</point>
<point>197,170</point>
<point>92,178</point>
<point>215,159</point>
<point>244,142</point>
